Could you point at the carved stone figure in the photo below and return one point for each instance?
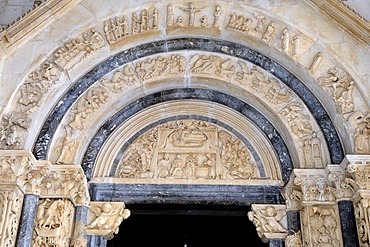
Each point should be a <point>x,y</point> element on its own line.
<point>53,224</point>
<point>88,104</point>
<point>268,219</point>
<point>341,87</point>
<point>294,240</point>
<point>9,126</point>
<point>104,218</point>
<point>267,35</point>
<point>297,119</point>
<point>68,150</point>
<point>170,16</point>
<point>212,65</point>
<point>315,63</point>
<point>204,21</point>
<point>192,12</point>
<point>187,149</point>
<point>155,19</point>
<point>285,40</point>
<point>296,46</point>
<point>217,14</point>
<point>10,210</point>
<point>261,22</point>
<point>78,49</point>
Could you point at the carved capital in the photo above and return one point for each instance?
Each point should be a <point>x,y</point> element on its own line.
<point>293,195</point>
<point>270,221</point>
<point>358,168</point>
<point>41,178</point>
<point>104,218</point>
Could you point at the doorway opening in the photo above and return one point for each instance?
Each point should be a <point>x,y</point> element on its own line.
<point>187,226</point>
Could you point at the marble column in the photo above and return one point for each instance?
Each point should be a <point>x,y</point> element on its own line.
<point>95,240</point>
<point>348,224</point>
<point>294,222</point>
<point>27,221</point>
<point>276,243</point>
<point>80,219</point>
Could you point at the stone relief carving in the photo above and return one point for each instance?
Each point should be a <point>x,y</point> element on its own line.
<point>321,226</point>
<point>104,218</point>
<point>312,152</point>
<point>36,85</point>
<point>192,16</point>
<point>340,86</point>
<point>10,211</point>
<point>53,223</point>
<point>360,123</point>
<point>294,240</point>
<point>239,23</point>
<point>294,114</point>
<point>362,213</point>
<point>78,49</point>
<point>212,65</point>
<point>187,149</point>
<point>293,195</point>
<point>270,221</point>
<point>91,101</point>
<point>292,47</point>
<point>316,62</point>
<point>10,127</point>
<point>118,28</point>
<point>67,149</point>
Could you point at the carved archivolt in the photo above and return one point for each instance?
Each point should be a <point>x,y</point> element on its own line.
<point>53,223</point>
<point>270,221</point>
<point>104,218</point>
<point>187,149</point>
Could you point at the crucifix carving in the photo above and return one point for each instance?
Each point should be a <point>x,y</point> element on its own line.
<point>192,11</point>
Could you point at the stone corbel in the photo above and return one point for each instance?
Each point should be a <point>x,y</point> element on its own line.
<point>270,221</point>
<point>104,218</point>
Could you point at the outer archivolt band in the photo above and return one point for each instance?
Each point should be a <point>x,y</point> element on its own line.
<point>55,117</point>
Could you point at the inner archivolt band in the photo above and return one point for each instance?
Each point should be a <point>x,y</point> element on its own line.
<point>55,117</point>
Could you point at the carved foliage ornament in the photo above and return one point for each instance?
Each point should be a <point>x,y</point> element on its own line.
<point>104,218</point>
<point>53,223</point>
<point>10,126</point>
<point>187,149</point>
<point>270,221</point>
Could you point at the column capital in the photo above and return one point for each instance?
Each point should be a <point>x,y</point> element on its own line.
<point>104,218</point>
<point>42,178</point>
<point>270,221</point>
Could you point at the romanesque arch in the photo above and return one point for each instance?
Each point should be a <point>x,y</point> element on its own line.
<point>258,108</point>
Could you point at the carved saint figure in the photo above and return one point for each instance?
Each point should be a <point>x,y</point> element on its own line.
<point>217,14</point>
<point>164,166</point>
<point>177,167</point>
<point>261,21</point>
<point>210,163</point>
<point>267,36</point>
<point>155,19</point>
<point>315,63</point>
<point>285,40</point>
<point>296,46</point>
<point>170,16</point>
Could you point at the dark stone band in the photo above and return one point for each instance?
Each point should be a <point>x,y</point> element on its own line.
<point>27,220</point>
<point>348,224</point>
<point>220,46</point>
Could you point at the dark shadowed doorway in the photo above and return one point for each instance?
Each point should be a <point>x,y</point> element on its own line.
<point>175,226</point>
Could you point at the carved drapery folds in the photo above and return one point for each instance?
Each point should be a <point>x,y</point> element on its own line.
<point>270,221</point>
<point>187,149</point>
<point>53,223</point>
<point>104,218</point>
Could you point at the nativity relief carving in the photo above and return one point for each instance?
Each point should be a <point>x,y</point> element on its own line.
<point>187,149</point>
<point>78,49</point>
<point>104,218</point>
<point>340,86</point>
<point>53,223</point>
<point>118,28</point>
<point>192,16</point>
